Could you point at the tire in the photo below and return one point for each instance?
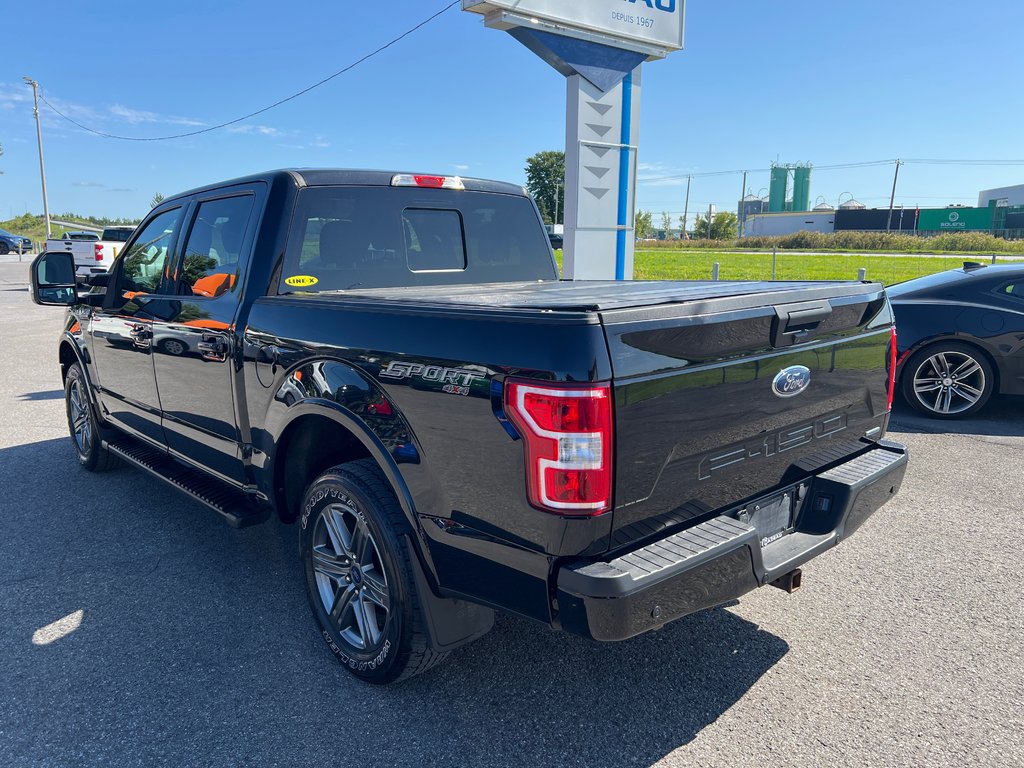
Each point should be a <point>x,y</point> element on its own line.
<point>173,347</point>
<point>947,380</point>
<point>4,249</point>
<point>370,616</point>
<point>85,429</point>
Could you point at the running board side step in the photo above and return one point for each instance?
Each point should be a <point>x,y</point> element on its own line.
<point>234,506</point>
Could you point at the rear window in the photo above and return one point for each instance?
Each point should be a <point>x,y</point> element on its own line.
<point>345,238</point>
<point>117,235</point>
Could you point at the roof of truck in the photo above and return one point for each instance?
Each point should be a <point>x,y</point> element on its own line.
<point>329,177</point>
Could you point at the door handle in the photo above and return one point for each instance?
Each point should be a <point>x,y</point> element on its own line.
<point>213,347</point>
<point>140,335</point>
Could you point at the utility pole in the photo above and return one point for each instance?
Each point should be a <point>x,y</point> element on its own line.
<point>558,191</point>
<point>743,205</point>
<point>686,207</point>
<point>892,198</point>
<point>39,139</point>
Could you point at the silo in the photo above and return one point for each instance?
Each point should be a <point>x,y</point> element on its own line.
<point>777,189</point>
<point>801,188</point>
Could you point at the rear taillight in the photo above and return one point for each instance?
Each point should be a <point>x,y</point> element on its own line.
<point>892,369</point>
<point>567,437</point>
<point>98,252</point>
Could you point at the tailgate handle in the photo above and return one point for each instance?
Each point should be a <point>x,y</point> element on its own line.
<point>795,322</point>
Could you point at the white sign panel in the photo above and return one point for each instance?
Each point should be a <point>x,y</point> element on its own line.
<point>657,23</point>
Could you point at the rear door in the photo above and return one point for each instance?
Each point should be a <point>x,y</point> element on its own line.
<point>194,345</point>
<point>714,408</point>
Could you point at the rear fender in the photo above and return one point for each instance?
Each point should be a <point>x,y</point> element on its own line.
<point>346,395</point>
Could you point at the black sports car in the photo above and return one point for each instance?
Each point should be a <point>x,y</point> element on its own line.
<point>960,338</point>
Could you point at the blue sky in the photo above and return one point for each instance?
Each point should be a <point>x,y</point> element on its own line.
<point>792,80</point>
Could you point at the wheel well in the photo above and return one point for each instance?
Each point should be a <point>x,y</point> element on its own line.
<point>309,446</point>
<point>67,359</point>
<point>967,343</point>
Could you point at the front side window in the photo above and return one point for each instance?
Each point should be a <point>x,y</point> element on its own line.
<point>212,260</point>
<point>144,262</point>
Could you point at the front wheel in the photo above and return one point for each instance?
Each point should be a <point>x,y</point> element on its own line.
<point>948,380</point>
<point>359,580</point>
<point>4,249</point>
<point>85,429</point>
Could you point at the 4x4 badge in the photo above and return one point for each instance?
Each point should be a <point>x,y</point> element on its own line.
<point>790,382</point>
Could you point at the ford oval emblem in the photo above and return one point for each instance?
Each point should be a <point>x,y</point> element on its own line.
<point>791,381</point>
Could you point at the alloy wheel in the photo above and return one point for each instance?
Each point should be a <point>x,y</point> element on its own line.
<point>949,382</point>
<point>81,424</point>
<point>350,576</point>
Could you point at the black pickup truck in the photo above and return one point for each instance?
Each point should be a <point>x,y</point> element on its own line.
<point>390,361</point>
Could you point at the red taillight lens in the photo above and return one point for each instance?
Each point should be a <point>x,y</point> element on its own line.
<point>435,182</point>
<point>892,369</point>
<point>98,252</point>
<point>567,437</point>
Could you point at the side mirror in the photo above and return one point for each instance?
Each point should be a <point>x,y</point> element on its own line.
<point>53,279</point>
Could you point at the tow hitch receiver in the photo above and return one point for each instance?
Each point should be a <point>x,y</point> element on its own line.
<point>789,582</point>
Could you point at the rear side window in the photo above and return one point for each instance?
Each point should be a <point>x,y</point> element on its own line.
<point>1016,290</point>
<point>213,261</point>
<point>347,238</point>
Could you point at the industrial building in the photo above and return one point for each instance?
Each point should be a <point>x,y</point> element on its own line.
<point>1000,212</point>
<point>1008,196</point>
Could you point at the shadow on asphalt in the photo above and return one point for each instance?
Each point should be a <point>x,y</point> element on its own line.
<point>196,644</point>
<point>53,394</point>
<point>1002,417</point>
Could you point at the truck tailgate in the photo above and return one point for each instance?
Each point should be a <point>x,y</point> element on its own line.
<point>705,417</point>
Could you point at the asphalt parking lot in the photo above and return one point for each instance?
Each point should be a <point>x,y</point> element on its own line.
<point>194,644</point>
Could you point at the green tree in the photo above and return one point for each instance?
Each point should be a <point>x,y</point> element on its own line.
<point>724,226</point>
<point>545,180</point>
<point>157,199</point>
<point>682,228</point>
<point>644,224</point>
<point>666,225</point>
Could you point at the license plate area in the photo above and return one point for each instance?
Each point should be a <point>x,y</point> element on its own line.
<point>771,517</point>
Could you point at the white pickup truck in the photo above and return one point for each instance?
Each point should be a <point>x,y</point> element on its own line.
<point>93,253</point>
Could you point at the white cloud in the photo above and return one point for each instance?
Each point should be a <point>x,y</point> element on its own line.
<point>461,167</point>
<point>136,116</point>
<point>254,130</point>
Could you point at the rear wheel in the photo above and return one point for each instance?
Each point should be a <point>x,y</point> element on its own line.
<point>358,572</point>
<point>4,249</point>
<point>948,380</point>
<point>86,432</point>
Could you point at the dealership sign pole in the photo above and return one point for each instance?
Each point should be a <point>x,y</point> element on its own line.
<point>599,46</point>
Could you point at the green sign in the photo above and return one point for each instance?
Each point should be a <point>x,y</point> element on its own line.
<point>955,220</point>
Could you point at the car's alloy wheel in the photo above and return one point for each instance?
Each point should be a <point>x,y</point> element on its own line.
<point>87,434</point>
<point>350,576</point>
<point>173,347</point>
<point>355,544</point>
<point>78,417</point>
<point>949,380</point>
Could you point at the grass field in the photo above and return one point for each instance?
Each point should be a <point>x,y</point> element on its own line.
<point>697,265</point>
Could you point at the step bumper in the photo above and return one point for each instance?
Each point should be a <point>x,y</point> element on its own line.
<point>722,558</point>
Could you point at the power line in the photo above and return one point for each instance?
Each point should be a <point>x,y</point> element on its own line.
<point>838,167</point>
<point>278,103</point>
